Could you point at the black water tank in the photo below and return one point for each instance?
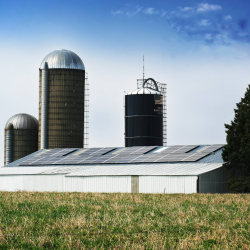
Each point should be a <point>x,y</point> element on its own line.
<point>144,118</point>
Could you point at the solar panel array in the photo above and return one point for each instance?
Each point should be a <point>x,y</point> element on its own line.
<point>109,155</point>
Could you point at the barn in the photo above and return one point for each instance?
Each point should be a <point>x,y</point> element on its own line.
<point>150,169</point>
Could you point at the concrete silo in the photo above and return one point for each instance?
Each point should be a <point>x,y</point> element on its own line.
<point>61,100</point>
<point>21,137</point>
<point>144,116</point>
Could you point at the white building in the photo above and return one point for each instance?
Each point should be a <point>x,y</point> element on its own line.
<point>42,171</point>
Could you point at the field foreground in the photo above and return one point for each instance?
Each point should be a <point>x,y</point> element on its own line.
<point>124,221</point>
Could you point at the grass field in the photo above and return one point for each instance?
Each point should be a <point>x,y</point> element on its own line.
<point>124,221</point>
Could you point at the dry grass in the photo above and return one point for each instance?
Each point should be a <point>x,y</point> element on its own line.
<point>124,221</point>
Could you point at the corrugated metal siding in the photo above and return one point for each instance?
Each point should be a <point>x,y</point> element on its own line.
<point>11,183</point>
<point>41,183</point>
<point>214,181</point>
<point>102,184</point>
<point>167,184</point>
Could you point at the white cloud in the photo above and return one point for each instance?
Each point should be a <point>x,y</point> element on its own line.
<point>150,11</point>
<point>117,12</point>
<point>187,9</point>
<point>134,12</point>
<point>204,22</point>
<point>203,7</point>
<point>172,24</point>
<point>228,17</point>
<point>163,12</point>
<point>208,36</point>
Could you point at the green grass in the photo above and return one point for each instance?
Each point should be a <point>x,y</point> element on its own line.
<point>124,221</point>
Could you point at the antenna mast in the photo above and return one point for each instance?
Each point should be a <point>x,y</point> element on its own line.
<point>143,70</point>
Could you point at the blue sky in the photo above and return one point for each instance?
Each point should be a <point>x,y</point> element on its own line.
<point>201,49</point>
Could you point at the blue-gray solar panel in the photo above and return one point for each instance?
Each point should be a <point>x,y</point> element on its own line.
<point>67,156</point>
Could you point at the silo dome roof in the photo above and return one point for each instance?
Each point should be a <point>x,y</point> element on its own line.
<point>22,121</point>
<point>143,91</point>
<point>63,59</point>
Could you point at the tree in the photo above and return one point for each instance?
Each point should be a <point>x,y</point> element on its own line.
<point>236,154</point>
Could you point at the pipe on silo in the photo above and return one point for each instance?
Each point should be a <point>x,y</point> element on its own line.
<point>44,103</point>
<point>9,144</point>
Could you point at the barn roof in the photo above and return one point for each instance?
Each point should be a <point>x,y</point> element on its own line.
<point>190,169</point>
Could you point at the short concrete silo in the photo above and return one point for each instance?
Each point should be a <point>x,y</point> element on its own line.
<point>21,137</point>
<point>61,101</point>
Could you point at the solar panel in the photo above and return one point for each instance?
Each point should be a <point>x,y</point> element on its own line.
<point>104,151</point>
<point>141,158</point>
<point>101,159</point>
<point>171,149</point>
<point>64,152</point>
<point>195,157</point>
<point>130,150</point>
<point>152,159</point>
<point>212,148</point>
<point>185,149</point>
<point>112,159</point>
<point>48,152</point>
<point>144,150</point>
<point>67,156</point>
<point>90,151</point>
<point>97,151</point>
<point>66,160</point>
<point>31,161</point>
<point>127,159</point>
<point>27,162</point>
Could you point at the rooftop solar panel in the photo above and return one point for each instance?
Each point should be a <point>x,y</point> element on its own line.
<point>170,150</point>
<point>195,157</point>
<point>144,150</point>
<point>68,156</point>
<point>63,152</point>
<point>31,161</point>
<point>211,149</point>
<point>185,149</point>
<point>141,158</point>
<point>104,151</point>
<point>130,150</point>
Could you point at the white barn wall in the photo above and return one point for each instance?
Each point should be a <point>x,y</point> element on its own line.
<point>11,183</point>
<point>101,184</point>
<point>168,184</point>
<point>41,183</point>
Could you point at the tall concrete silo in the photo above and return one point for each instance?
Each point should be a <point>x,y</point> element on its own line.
<point>144,116</point>
<point>61,100</point>
<point>21,137</point>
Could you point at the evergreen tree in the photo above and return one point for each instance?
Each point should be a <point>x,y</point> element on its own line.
<point>236,154</point>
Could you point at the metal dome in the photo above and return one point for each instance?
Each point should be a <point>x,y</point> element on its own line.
<point>143,91</point>
<point>22,121</point>
<point>63,59</point>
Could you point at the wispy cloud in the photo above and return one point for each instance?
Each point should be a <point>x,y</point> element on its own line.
<point>228,17</point>
<point>204,7</point>
<point>204,22</point>
<point>186,9</point>
<point>163,13</point>
<point>151,11</point>
<point>133,12</point>
<point>117,12</point>
<point>128,11</point>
